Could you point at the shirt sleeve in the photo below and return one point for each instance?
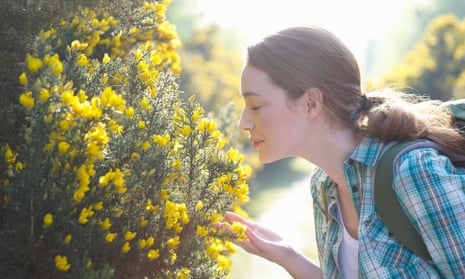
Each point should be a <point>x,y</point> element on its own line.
<point>431,191</point>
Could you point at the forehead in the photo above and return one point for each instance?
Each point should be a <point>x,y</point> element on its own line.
<point>255,80</point>
<point>257,84</point>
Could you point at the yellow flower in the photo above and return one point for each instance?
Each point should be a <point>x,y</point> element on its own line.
<point>234,155</point>
<point>164,194</point>
<point>79,194</point>
<point>145,145</point>
<point>129,235</point>
<point>44,95</point>
<point>177,164</point>
<point>201,231</point>
<point>138,55</point>
<point>173,257</point>
<point>153,254</point>
<point>230,247</point>
<point>63,147</point>
<point>199,205</point>
<point>223,262</point>
<point>98,205</point>
<point>76,44</point>
<point>197,114</point>
<point>141,243</point>
<point>54,63</point>
<point>89,264</point>
<point>110,237</point>
<point>173,242</point>
<point>125,248</point>
<point>206,126</point>
<point>129,112</point>
<point>134,156</point>
<point>68,239</point>
<point>47,34</point>
<point>161,140</point>
<point>143,222</point>
<point>145,104</point>
<point>33,63</point>
<point>105,224</point>
<point>105,78</point>
<point>64,125</point>
<point>19,166</point>
<point>106,59</point>
<point>185,131</point>
<point>239,231</point>
<point>48,219</point>
<point>82,60</point>
<point>183,274</point>
<point>115,128</point>
<point>61,263</point>
<point>155,58</point>
<point>26,100</point>
<point>23,79</point>
<point>85,214</point>
<point>149,241</point>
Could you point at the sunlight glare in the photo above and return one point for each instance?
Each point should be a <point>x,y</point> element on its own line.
<point>356,22</point>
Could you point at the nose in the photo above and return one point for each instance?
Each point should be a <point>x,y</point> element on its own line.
<point>245,124</point>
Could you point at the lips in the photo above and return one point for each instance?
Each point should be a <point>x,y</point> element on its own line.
<point>256,143</point>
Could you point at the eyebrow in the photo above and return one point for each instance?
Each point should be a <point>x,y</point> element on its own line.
<point>249,93</point>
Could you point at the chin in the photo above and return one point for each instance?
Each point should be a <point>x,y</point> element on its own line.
<point>266,159</point>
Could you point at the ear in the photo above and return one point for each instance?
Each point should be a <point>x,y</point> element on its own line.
<point>313,101</point>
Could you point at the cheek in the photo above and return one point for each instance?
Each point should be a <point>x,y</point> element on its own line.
<point>281,124</point>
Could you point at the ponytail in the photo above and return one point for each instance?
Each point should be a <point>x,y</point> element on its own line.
<point>396,116</point>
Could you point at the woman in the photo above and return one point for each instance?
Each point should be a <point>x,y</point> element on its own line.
<point>303,98</point>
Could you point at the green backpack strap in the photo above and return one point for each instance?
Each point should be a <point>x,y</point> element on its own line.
<point>389,209</point>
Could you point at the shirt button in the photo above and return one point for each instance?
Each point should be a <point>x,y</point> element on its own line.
<point>354,189</point>
<point>350,162</point>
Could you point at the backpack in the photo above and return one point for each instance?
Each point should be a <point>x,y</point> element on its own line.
<point>389,209</point>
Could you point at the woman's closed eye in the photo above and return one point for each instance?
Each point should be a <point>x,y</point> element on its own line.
<point>255,107</point>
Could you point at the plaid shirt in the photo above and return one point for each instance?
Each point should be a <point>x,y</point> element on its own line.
<point>431,191</point>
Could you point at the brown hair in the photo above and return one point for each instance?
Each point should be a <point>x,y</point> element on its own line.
<point>299,58</point>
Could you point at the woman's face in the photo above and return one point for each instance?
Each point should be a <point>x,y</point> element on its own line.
<point>275,123</point>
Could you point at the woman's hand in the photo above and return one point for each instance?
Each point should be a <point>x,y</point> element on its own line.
<point>267,244</point>
<point>260,240</point>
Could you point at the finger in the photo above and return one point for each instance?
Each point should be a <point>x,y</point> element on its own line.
<point>221,226</point>
<point>233,217</point>
<point>258,230</point>
<point>253,244</point>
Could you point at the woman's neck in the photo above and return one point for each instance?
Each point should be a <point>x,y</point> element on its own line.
<point>331,150</point>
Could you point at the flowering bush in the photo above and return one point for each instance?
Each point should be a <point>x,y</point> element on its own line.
<point>117,177</point>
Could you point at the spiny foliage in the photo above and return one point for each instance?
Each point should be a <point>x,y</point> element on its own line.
<point>117,177</point>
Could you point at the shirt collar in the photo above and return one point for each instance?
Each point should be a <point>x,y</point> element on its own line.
<point>367,152</point>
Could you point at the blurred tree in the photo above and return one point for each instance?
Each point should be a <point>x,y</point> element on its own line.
<point>211,69</point>
<point>211,65</point>
<point>436,65</point>
<point>186,15</point>
<point>384,54</point>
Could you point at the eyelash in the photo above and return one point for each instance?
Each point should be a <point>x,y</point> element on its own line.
<point>256,108</point>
